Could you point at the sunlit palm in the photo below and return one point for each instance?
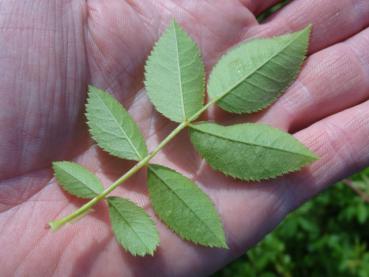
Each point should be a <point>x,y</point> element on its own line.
<point>52,49</point>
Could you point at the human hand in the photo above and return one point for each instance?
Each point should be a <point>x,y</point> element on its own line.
<point>51,51</point>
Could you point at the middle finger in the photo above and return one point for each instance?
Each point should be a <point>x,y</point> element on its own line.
<point>332,80</point>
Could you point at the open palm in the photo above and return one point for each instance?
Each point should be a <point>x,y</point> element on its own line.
<point>52,49</point>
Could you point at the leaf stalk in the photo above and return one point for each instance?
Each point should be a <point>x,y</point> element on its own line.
<point>57,224</point>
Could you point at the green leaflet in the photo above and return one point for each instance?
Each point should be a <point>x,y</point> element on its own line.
<point>132,227</point>
<point>184,207</point>
<point>250,152</point>
<point>247,79</point>
<point>112,127</point>
<point>77,180</point>
<point>175,76</point>
<point>251,76</point>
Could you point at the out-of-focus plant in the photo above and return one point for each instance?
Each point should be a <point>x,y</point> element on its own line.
<point>328,236</point>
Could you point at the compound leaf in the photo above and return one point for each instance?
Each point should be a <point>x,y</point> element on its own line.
<point>132,227</point>
<point>184,207</point>
<point>251,76</point>
<point>77,180</point>
<point>251,152</point>
<point>112,127</point>
<point>175,76</point>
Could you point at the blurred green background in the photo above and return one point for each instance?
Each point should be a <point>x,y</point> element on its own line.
<point>328,236</point>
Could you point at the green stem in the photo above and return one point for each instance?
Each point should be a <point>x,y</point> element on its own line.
<point>57,224</point>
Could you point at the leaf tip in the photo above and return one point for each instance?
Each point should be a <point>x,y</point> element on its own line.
<point>221,243</point>
<point>310,155</point>
<point>91,90</point>
<point>173,23</point>
<point>224,245</point>
<point>313,157</point>
<point>142,253</point>
<point>309,28</point>
<point>55,164</point>
<point>306,32</point>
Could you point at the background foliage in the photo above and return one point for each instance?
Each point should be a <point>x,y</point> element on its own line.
<point>328,236</point>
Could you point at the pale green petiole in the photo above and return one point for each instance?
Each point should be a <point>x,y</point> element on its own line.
<point>57,224</point>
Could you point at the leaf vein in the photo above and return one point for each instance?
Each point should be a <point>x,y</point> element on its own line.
<point>185,203</point>
<point>120,127</point>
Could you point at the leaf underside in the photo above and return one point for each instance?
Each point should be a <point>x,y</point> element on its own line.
<point>175,75</point>
<point>251,76</point>
<point>132,227</point>
<point>184,207</point>
<point>250,152</point>
<point>77,180</point>
<point>112,127</point>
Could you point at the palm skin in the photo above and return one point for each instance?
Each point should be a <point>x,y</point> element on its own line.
<point>50,52</point>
